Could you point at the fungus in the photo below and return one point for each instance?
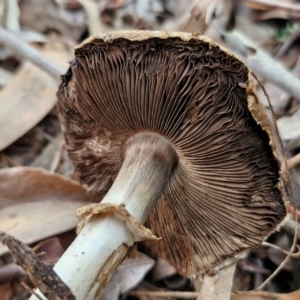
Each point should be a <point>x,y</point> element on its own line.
<point>166,128</point>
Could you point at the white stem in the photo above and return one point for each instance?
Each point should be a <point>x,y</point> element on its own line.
<point>217,287</point>
<point>90,261</point>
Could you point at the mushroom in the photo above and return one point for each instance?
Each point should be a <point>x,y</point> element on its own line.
<point>167,128</point>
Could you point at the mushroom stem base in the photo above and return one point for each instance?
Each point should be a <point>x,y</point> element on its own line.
<point>88,264</point>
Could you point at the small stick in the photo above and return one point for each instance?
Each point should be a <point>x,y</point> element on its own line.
<point>294,255</point>
<point>194,295</point>
<point>26,51</point>
<point>41,275</point>
<point>164,294</point>
<point>266,295</point>
<point>293,161</point>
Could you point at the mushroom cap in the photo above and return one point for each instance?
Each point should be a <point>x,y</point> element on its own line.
<point>226,193</point>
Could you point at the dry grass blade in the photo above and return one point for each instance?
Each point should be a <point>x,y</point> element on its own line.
<point>40,274</point>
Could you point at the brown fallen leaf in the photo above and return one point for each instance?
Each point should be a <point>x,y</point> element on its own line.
<point>24,105</point>
<point>41,275</point>
<point>10,272</point>
<point>49,251</point>
<point>36,204</point>
<point>292,296</point>
<point>129,274</point>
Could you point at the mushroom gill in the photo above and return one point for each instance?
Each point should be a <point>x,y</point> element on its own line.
<point>222,198</point>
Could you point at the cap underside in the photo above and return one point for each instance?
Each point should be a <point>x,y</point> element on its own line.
<point>223,197</point>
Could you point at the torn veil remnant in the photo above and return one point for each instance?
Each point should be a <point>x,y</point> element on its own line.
<point>188,108</point>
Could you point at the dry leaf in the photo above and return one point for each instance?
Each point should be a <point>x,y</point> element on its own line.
<point>289,129</point>
<point>45,15</point>
<point>5,77</point>
<point>24,105</point>
<point>129,274</point>
<point>10,272</point>
<point>49,251</point>
<point>37,204</point>
<point>292,296</point>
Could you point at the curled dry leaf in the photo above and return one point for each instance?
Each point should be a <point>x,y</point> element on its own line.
<point>41,275</point>
<point>32,201</point>
<point>129,275</point>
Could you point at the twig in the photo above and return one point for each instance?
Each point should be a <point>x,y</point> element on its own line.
<point>294,255</point>
<point>262,63</point>
<point>41,275</point>
<point>163,294</point>
<point>95,25</point>
<point>12,15</point>
<point>26,51</point>
<point>267,295</point>
<point>285,97</point>
<point>194,295</point>
<point>293,161</point>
